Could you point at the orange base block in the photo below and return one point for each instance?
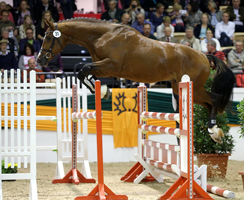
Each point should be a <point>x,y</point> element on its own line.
<point>182,187</point>
<point>74,176</point>
<point>135,171</point>
<point>102,192</point>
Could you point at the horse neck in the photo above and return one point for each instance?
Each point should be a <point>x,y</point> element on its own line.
<point>84,33</point>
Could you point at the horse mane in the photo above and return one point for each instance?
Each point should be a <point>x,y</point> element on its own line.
<point>92,20</point>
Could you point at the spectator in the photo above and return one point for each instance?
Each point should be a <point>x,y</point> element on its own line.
<point>224,31</point>
<point>41,7</point>
<point>32,66</point>
<point>209,37</point>
<point>134,9</point>
<point>29,39</point>
<point>125,19</point>
<point>214,15</point>
<point>193,16</point>
<point>236,57</point>
<point>201,29</point>
<point>186,43</point>
<point>16,3</point>
<point>151,5</point>
<point>236,14</point>
<point>67,7</point>
<point>5,23</point>
<point>3,6</point>
<point>55,65</point>
<point>28,53</point>
<point>11,47</point>
<point>21,12</point>
<point>27,24</point>
<point>177,18</point>
<point>211,46</point>
<point>189,37</point>
<point>167,37</point>
<point>147,31</point>
<point>157,17</point>
<point>113,14</point>
<point>138,24</point>
<point>7,59</point>
<point>42,27</point>
<point>166,23</point>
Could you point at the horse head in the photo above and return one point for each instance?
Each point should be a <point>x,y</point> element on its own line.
<point>53,43</point>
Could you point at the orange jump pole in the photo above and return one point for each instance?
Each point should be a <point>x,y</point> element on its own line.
<point>101,191</point>
<point>74,176</point>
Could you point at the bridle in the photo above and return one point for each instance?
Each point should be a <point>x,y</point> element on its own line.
<point>56,35</point>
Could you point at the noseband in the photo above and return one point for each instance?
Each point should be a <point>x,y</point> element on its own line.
<point>56,35</point>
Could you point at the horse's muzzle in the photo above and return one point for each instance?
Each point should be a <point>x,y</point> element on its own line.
<point>42,61</point>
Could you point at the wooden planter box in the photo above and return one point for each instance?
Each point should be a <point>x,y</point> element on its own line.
<point>217,164</point>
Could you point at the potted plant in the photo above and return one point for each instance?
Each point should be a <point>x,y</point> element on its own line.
<point>240,110</point>
<point>208,152</point>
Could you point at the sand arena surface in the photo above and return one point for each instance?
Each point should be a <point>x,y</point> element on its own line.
<point>19,190</point>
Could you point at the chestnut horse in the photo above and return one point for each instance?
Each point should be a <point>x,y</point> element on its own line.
<point>121,51</point>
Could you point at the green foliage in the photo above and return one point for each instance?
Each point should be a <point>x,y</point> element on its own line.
<point>203,143</point>
<point>9,170</point>
<point>240,110</point>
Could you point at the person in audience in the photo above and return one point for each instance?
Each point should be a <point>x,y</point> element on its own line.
<point>166,23</point>
<point>42,27</point>
<point>194,15</point>
<point>67,8</point>
<point>211,46</point>
<point>189,37</point>
<point>224,31</point>
<point>177,18</point>
<point>32,66</point>
<point>27,24</point>
<point>125,19</point>
<point>28,53</point>
<point>209,37</point>
<point>236,57</point>
<point>29,39</point>
<point>3,6</point>
<point>11,47</point>
<point>167,37</point>
<point>236,14</point>
<point>214,14</point>
<point>157,17</point>
<point>113,14</point>
<point>147,31</point>
<point>186,43</point>
<point>44,5</point>
<point>201,29</point>
<point>7,59</point>
<point>134,9</point>
<point>151,5</point>
<point>5,23</point>
<point>138,24</point>
<point>21,12</point>
<point>55,65</point>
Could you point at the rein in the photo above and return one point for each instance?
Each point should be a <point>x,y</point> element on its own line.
<point>56,34</point>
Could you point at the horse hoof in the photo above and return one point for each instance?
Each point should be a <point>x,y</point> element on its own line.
<point>216,133</point>
<point>105,92</point>
<point>80,76</point>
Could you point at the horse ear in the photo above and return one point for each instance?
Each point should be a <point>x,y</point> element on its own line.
<point>48,23</point>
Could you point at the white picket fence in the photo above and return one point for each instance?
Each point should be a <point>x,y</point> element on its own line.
<point>18,145</point>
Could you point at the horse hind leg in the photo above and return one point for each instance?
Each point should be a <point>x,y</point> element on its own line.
<point>209,101</point>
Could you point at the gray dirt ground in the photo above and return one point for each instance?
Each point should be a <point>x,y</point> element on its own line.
<point>19,190</point>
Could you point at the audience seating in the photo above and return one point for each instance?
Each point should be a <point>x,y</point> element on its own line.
<point>179,35</point>
<point>223,8</point>
<point>239,36</point>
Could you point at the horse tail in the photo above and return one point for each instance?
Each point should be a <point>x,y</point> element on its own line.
<point>223,82</point>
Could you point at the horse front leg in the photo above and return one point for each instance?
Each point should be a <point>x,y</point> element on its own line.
<point>88,79</point>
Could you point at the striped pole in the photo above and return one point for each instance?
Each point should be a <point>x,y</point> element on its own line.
<point>162,116</point>
<point>221,192</point>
